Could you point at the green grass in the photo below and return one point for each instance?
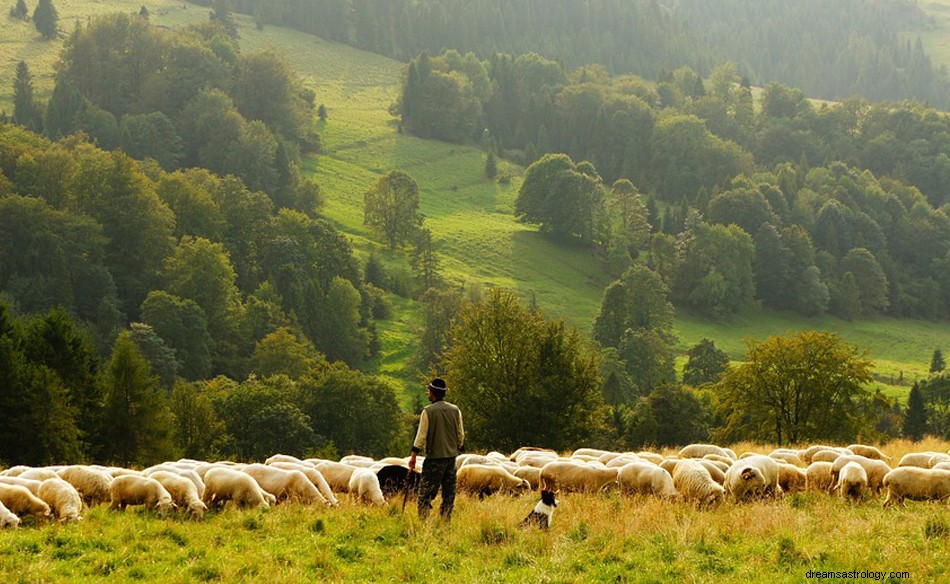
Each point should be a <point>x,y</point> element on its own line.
<point>479,242</point>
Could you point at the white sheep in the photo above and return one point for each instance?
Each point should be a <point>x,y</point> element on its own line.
<point>63,499</point>
<point>488,479</point>
<point>38,474</point>
<point>651,456</point>
<point>536,459</point>
<point>852,481</point>
<point>283,458</point>
<point>315,477</point>
<point>569,475</point>
<point>646,478</point>
<point>693,482</point>
<point>791,478</point>
<point>227,484</point>
<point>788,457</point>
<point>138,490</point>
<point>8,518</point>
<point>701,450</point>
<point>875,469</point>
<point>529,473</point>
<point>818,477</point>
<point>716,469</point>
<point>337,475</point>
<point>530,450</point>
<point>916,484</point>
<point>827,456</point>
<point>868,452</point>
<point>365,485</point>
<point>15,471</point>
<point>588,452</point>
<point>923,459</point>
<point>33,486</point>
<point>285,484</point>
<point>769,470</point>
<point>719,458</point>
<point>20,501</point>
<point>183,492</point>
<point>807,454</point>
<point>744,481</point>
<point>624,460</point>
<point>92,484</point>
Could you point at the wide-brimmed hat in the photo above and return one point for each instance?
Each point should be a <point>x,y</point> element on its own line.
<point>437,385</point>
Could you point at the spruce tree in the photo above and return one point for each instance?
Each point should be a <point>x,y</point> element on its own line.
<point>46,19</point>
<point>915,418</point>
<point>20,11</point>
<point>25,112</point>
<point>491,166</point>
<point>937,363</point>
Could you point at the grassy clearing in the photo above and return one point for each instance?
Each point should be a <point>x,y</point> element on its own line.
<point>475,235</point>
<point>606,537</point>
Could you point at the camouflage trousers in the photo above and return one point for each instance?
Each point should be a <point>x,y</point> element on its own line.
<point>437,472</point>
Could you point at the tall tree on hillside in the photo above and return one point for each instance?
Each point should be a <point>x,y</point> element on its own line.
<point>25,111</point>
<point>137,423</point>
<point>20,10</point>
<point>46,19</point>
<point>937,364</point>
<point>221,12</point>
<point>795,388</point>
<point>705,364</point>
<point>391,207</point>
<point>915,417</point>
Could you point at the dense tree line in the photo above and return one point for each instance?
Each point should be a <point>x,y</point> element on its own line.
<point>773,205</point>
<point>831,49</point>
<point>64,403</point>
<point>187,98</point>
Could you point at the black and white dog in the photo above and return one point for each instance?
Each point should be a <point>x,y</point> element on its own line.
<point>541,516</point>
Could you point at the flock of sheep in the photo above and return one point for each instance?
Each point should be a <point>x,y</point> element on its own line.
<point>704,474</point>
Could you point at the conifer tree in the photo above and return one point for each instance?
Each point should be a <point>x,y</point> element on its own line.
<point>937,363</point>
<point>20,11</point>
<point>46,19</point>
<point>915,418</point>
<point>25,112</point>
<point>491,166</point>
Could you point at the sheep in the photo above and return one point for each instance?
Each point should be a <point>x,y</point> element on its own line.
<point>285,484</point>
<point>187,473</point>
<point>942,466</point>
<point>607,457</point>
<point>646,478</point>
<point>8,518</point>
<point>466,459</point>
<point>20,501</point>
<point>365,485</point>
<point>818,477</point>
<point>15,471</point>
<point>537,460</point>
<point>624,460</point>
<point>569,475</point>
<point>701,450</point>
<point>769,470</point>
<point>651,456</point>
<point>183,492</point>
<point>916,484</point>
<point>827,456</point>
<point>719,458</point>
<point>116,471</point>
<point>138,490</point>
<point>875,469</point>
<point>807,455</point>
<point>923,459</point>
<point>869,452</point>
<point>791,478</point>
<point>33,486</point>
<point>63,498</point>
<point>744,481</point>
<point>92,484</point>
<point>227,484</point>
<point>669,463</point>
<point>283,458</point>
<point>788,457</point>
<point>530,474</point>
<point>337,475</point>
<point>693,482</point>
<point>852,481</point>
<point>487,479</point>
<point>38,474</point>
<point>715,471</point>
<point>314,476</point>
<point>594,452</point>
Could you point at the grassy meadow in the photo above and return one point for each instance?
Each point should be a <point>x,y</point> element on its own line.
<point>476,237</point>
<point>593,538</point>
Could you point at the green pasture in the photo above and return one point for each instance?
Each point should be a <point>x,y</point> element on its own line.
<point>477,239</point>
<point>593,538</point>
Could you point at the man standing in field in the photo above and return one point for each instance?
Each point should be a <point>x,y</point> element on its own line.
<point>441,436</point>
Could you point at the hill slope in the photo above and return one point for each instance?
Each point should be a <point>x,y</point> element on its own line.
<point>477,238</point>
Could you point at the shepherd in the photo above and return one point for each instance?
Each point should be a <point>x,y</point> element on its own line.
<point>442,438</point>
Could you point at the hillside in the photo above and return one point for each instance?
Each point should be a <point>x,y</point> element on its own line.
<point>477,239</point>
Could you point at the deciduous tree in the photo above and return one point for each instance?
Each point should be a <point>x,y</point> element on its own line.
<point>391,207</point>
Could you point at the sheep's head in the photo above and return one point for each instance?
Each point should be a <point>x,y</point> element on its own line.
<point>164,506</point>
<point>10,520</point>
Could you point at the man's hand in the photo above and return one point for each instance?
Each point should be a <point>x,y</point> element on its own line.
<point>412,462</point>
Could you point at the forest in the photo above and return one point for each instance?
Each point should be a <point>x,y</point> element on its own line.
<point>166,267</point>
